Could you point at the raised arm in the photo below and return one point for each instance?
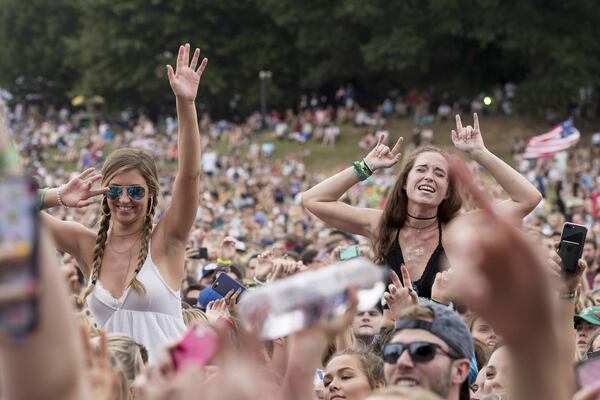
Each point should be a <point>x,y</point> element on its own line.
<point>323,199</point>
<point>524,197</point>
<point>179,217</point>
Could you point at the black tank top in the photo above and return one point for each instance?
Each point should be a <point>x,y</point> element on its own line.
<point>423,286</point>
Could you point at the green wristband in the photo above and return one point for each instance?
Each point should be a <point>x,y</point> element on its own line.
<point>362,171</point>
<point>42,196</point>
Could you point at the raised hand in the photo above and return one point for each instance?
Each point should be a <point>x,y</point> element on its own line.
<point>217,309</point>
<point>103,379</point>
<point>79,192</point>
<point>186,78</point>
<point>231,299</point>
<point>468,138</point>
<point>400,295</point>
<point>264,266</point>
<point>382,157</point>
<point>227,248</point>
<point>442,288</point>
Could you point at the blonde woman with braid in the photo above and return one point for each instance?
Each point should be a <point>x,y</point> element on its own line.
<point>135,270</point>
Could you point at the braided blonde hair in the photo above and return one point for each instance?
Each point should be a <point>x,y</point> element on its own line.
<point>120,161</point>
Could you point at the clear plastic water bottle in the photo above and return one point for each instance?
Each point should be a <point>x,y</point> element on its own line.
<point>297,302</point>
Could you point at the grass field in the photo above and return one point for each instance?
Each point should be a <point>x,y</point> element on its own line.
<point>498,132</point>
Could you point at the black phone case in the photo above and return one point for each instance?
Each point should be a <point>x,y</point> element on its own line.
<point>569,255</point>
<point>224,284</point>
<point>574,233</point>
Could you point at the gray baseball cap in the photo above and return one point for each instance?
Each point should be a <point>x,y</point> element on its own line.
<point>447,325</point>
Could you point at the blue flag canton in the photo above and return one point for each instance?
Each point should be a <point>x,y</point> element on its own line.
<point>567,128</point>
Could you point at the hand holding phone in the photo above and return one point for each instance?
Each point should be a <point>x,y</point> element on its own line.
<point>570,248</point>
<point>224,284</point>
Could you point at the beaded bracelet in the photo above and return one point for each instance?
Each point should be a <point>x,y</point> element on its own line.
<point>42,196</point>
<point>58,199</point>
<point>362,170</point>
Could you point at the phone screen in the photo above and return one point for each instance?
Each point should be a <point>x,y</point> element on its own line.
<point>18,249</point>
<point>349,253</point>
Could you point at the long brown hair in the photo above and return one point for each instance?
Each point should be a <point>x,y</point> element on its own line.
<point>120,161</point>
<point>371,364</point>
<point>395,210</point>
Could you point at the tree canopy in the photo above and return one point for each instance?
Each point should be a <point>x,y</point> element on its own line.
<point>118,49</point>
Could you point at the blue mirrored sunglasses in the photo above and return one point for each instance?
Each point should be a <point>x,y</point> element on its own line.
<point>135,192</point>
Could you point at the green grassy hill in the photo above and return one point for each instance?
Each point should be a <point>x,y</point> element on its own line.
<point>498,132</point>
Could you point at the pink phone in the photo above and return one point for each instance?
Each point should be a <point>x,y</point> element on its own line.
<point>198,345</point>
<point>588,371</point>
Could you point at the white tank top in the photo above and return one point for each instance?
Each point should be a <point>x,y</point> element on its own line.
<point>153,319</point>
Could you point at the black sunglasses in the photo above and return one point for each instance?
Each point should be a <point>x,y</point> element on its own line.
<point>419,351</point>
<point>135,192</point>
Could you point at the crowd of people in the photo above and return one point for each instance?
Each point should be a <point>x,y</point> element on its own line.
<point>138,223</point>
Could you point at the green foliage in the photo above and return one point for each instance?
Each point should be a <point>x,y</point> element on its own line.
<point>32,47</point>
<point>119,48</point>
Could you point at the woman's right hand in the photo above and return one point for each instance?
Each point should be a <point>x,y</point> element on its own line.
<point>382,157</point>
<point>79,191</point>
<point>400,295</point>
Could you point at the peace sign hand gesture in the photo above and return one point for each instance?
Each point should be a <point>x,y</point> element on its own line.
<point>79,191</point>
<point>468,138</point>
<point>186,78</point>
<point>382,157</point>
<point>399,295</point>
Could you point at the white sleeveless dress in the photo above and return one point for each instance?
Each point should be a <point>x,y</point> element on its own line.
<point>153,319</point>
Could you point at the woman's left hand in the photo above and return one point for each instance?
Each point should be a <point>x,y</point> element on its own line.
<point>468,138</point>
<point>186,78</point>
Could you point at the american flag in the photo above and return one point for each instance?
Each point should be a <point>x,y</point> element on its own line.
<point>561,137</point>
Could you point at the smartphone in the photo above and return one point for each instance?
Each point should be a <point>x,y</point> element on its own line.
<point>224,284</point>
<point>350,252</point>
<point>18,252</point>
<point>569,255</point>
<point>203,253</point>
<point>593,354</point>
<point>587,371</point>
<point>198,345</point>
<point>574,234</point>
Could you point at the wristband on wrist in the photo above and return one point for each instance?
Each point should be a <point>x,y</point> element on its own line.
<point>42,197</point>
<point>569,295</point>
<point>449,305</point>
<point>58,198</point>
<point>369,170</point>
<point>221,261</point>
<point>362,171</point>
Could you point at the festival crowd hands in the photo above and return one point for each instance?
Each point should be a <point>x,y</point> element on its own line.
<point>507,296</point>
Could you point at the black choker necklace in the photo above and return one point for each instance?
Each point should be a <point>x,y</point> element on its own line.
<point>421,218</point>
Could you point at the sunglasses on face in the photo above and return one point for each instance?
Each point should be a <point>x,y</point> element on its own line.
<point>419,352</point>
<point>135,192</point>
